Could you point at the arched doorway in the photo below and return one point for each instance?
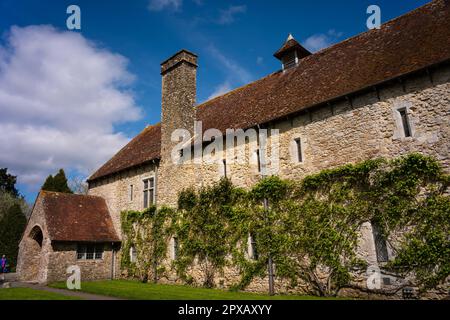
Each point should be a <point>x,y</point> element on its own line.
<point>32,257</point>
<point>37,235</point>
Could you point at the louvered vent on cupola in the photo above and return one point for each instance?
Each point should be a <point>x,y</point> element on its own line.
<point>291,53</point>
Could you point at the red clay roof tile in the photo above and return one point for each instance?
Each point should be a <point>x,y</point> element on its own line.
<point>146,146</point>
<point>72,217</point>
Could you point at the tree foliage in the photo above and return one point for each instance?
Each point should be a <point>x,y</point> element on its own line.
<point>57,183</point>
<point>12,225</point>
<point>8,183</point>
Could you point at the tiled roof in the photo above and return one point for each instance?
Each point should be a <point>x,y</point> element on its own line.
<point>403,45</point>
<point>72,217</point>
<point>412,42</point>
<point>146,146</point>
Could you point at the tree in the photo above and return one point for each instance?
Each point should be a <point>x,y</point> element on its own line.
<point>7,182</point>
<point>57,183</point>
<point>12,226</point>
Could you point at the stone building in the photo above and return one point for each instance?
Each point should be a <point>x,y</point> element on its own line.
<point>382,93</point>
<point>66,230</point>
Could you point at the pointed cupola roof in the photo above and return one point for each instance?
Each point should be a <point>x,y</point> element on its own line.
<point>291,45</point>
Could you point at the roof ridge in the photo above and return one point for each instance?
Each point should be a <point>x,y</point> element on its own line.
<point>322,51</point>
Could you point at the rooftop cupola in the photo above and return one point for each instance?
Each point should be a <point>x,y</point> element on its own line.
<point>291,53</point>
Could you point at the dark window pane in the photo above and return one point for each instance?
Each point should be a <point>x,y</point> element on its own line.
<point>90,252</point>
<point>145,184</point>
<point>258,160</point>
<point>175,248</point>
<point>380,244</point>
<point>253,247</point>
<point>298,143</point>
<point>152,183</point>
<point>151,195</point>
<point>405,122</point>
<point>145,199</point>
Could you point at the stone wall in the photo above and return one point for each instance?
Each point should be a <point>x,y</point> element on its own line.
<point>64,255</point>
<point>32,259</point>
<point>361,127</point>
<point>116,191</point>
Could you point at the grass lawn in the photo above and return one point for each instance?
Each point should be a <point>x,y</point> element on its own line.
<point>30,294</point>
<point>136,290</point>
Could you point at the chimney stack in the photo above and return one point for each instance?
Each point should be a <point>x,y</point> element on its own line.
<point>179,77</point>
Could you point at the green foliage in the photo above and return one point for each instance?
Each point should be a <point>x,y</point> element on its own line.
<point>57,183</point>
<point>310,228</point>
<point>204,230</point>
<point>12,225</point>
<point>146,231</point>
<point>8,183</point>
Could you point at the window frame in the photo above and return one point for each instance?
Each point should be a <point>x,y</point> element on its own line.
<point>133,254</point>
<point>147,190</point>
<point>94,250</point>
<point>131,192</point>
<point>175,248</point>
<point>380,243</point>
<point>299,149</point>
<point>405,122</point>
<point>252,247</point>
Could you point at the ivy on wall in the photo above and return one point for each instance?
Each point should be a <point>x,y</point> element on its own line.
<point>147,233</point>
<point>310,229</point>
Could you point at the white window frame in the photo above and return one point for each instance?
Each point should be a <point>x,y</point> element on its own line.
<point>97,254</point>
<point>147,190</point>
<point>133,254</point>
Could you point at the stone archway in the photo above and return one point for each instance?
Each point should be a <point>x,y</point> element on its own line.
<point>31,264</point>
<point>37,235</point>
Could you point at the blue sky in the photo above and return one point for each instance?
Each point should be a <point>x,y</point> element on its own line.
<point>235,41</point>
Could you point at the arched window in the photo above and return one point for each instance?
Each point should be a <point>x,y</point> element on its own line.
<point>37,235</point>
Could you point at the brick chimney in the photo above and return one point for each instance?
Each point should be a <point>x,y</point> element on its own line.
<point>179,77</point>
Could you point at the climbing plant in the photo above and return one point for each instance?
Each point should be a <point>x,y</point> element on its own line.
<point>204,230</point>
<point>310,228</point>
<point>147,232</point>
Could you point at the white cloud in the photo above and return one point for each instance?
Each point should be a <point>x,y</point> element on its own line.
<point>159,5</point>
<point>220,90</point>
<point>228,16</point>
<point>60,97</point>
<point>320,41</point>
